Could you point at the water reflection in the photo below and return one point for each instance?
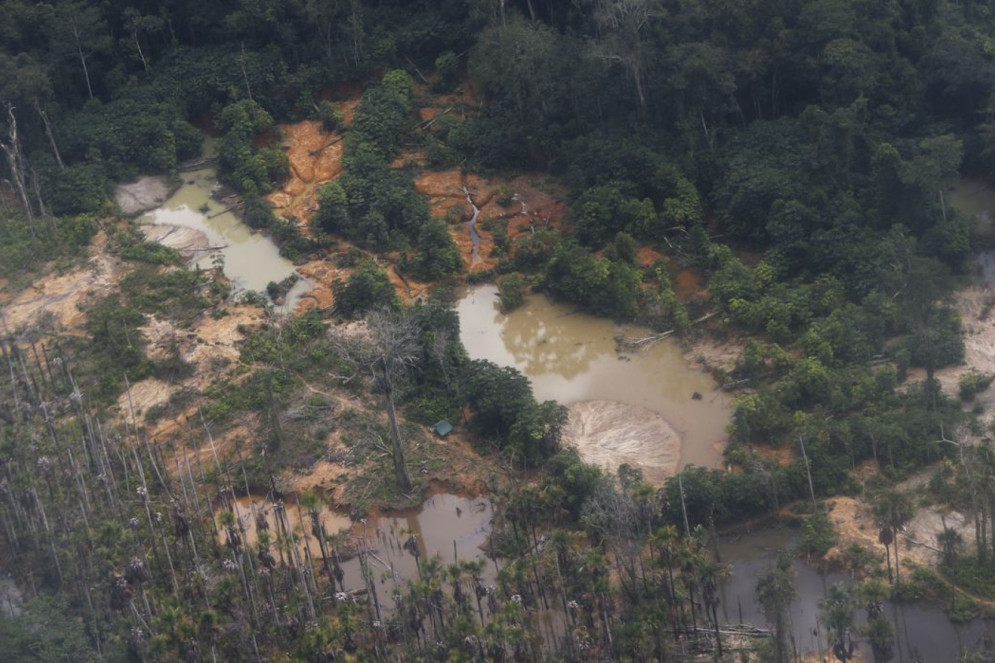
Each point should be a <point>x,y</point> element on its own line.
<point>923,630</point>
<point>251,260</point>
<point>453,527</point>
<point>542,341</point>
<point>570,357</point>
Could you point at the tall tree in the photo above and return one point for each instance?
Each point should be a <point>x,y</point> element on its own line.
<point>23,79</point>
<point>775,591</point>
<point>11,147</point>
<point>837,611</point>
<point>387,353</point>
<point>622,26</point>
<point>78,30</point>
<point>894,508</point>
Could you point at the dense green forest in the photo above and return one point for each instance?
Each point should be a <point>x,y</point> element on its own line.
<point>796,153</point>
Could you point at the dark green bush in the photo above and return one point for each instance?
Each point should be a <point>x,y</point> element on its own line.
<point>366,288</point>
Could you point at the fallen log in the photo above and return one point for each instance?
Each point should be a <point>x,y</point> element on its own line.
<point>196,164</point>
<point>227,209</point>
<point>640,342</point>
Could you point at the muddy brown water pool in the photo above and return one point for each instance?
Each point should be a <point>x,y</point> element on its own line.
<point>571,358</point>
<point>455,527</point>
<point>251,260</point>
<point>923,631</point>
<point>447,525</point>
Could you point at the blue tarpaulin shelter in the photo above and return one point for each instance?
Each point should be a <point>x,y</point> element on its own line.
<point>443,428</point>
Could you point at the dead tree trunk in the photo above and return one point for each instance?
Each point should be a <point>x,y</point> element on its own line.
<point>12,148</point>
<point>82,59</point>
<point>48,132</point>
<point>396,443</point>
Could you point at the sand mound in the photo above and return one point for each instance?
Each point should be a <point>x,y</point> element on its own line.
<point>190,242</point>
<point>142,195</point>
<point>609,433</point>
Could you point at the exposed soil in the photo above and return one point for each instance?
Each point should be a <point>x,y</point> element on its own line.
<point>465,472</point>
<point>535,204</point>
<point>142,195</point>
<point>855,524</point>
<point>189,242</point>
<point>975,303</point>
<point>647,255</point>
<point>322,273</point>
<point>61,297</point>
<point>211,346</point>
<point>315,158</point>
<point>716,354</point>
<point>609,434</point>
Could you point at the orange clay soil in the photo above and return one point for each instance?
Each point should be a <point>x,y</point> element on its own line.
<point>531,208</point>
<point>315,158</point>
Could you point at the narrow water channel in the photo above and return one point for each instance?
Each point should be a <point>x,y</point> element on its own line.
<point>251,260</point>
<point>570,357</point>
<point>471,226</point>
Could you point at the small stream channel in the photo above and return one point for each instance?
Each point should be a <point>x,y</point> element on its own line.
<point>251,259</point>
<point>471,226</point>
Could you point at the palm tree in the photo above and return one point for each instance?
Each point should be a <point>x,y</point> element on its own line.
<point>775,592</point>
<point>836,611</point>
<point>711,574</point>
<point>950,540</point>
<point>879,631</point>
<point>894,509</point>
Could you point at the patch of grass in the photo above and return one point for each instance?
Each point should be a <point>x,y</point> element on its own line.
<point>132,246</point>
<point>25,254</point>
<point>176,405</point>
<point>175,294</point>
<point>920,584</point>
<point>973,383</point>
<point>975,576</point>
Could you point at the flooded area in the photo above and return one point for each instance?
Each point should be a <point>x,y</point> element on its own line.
<point>250,259</point>
<point>571,358</point>
<point>453,527</point>
<point>923,631</point>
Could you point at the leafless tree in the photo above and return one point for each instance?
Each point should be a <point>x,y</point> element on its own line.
<point>386,353</point>
<point>621,24</point>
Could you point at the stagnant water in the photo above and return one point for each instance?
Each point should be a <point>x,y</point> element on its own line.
<point>453,527</point>
<point>923,631</point>
<point>251,260</point>
<point>570,357</point>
